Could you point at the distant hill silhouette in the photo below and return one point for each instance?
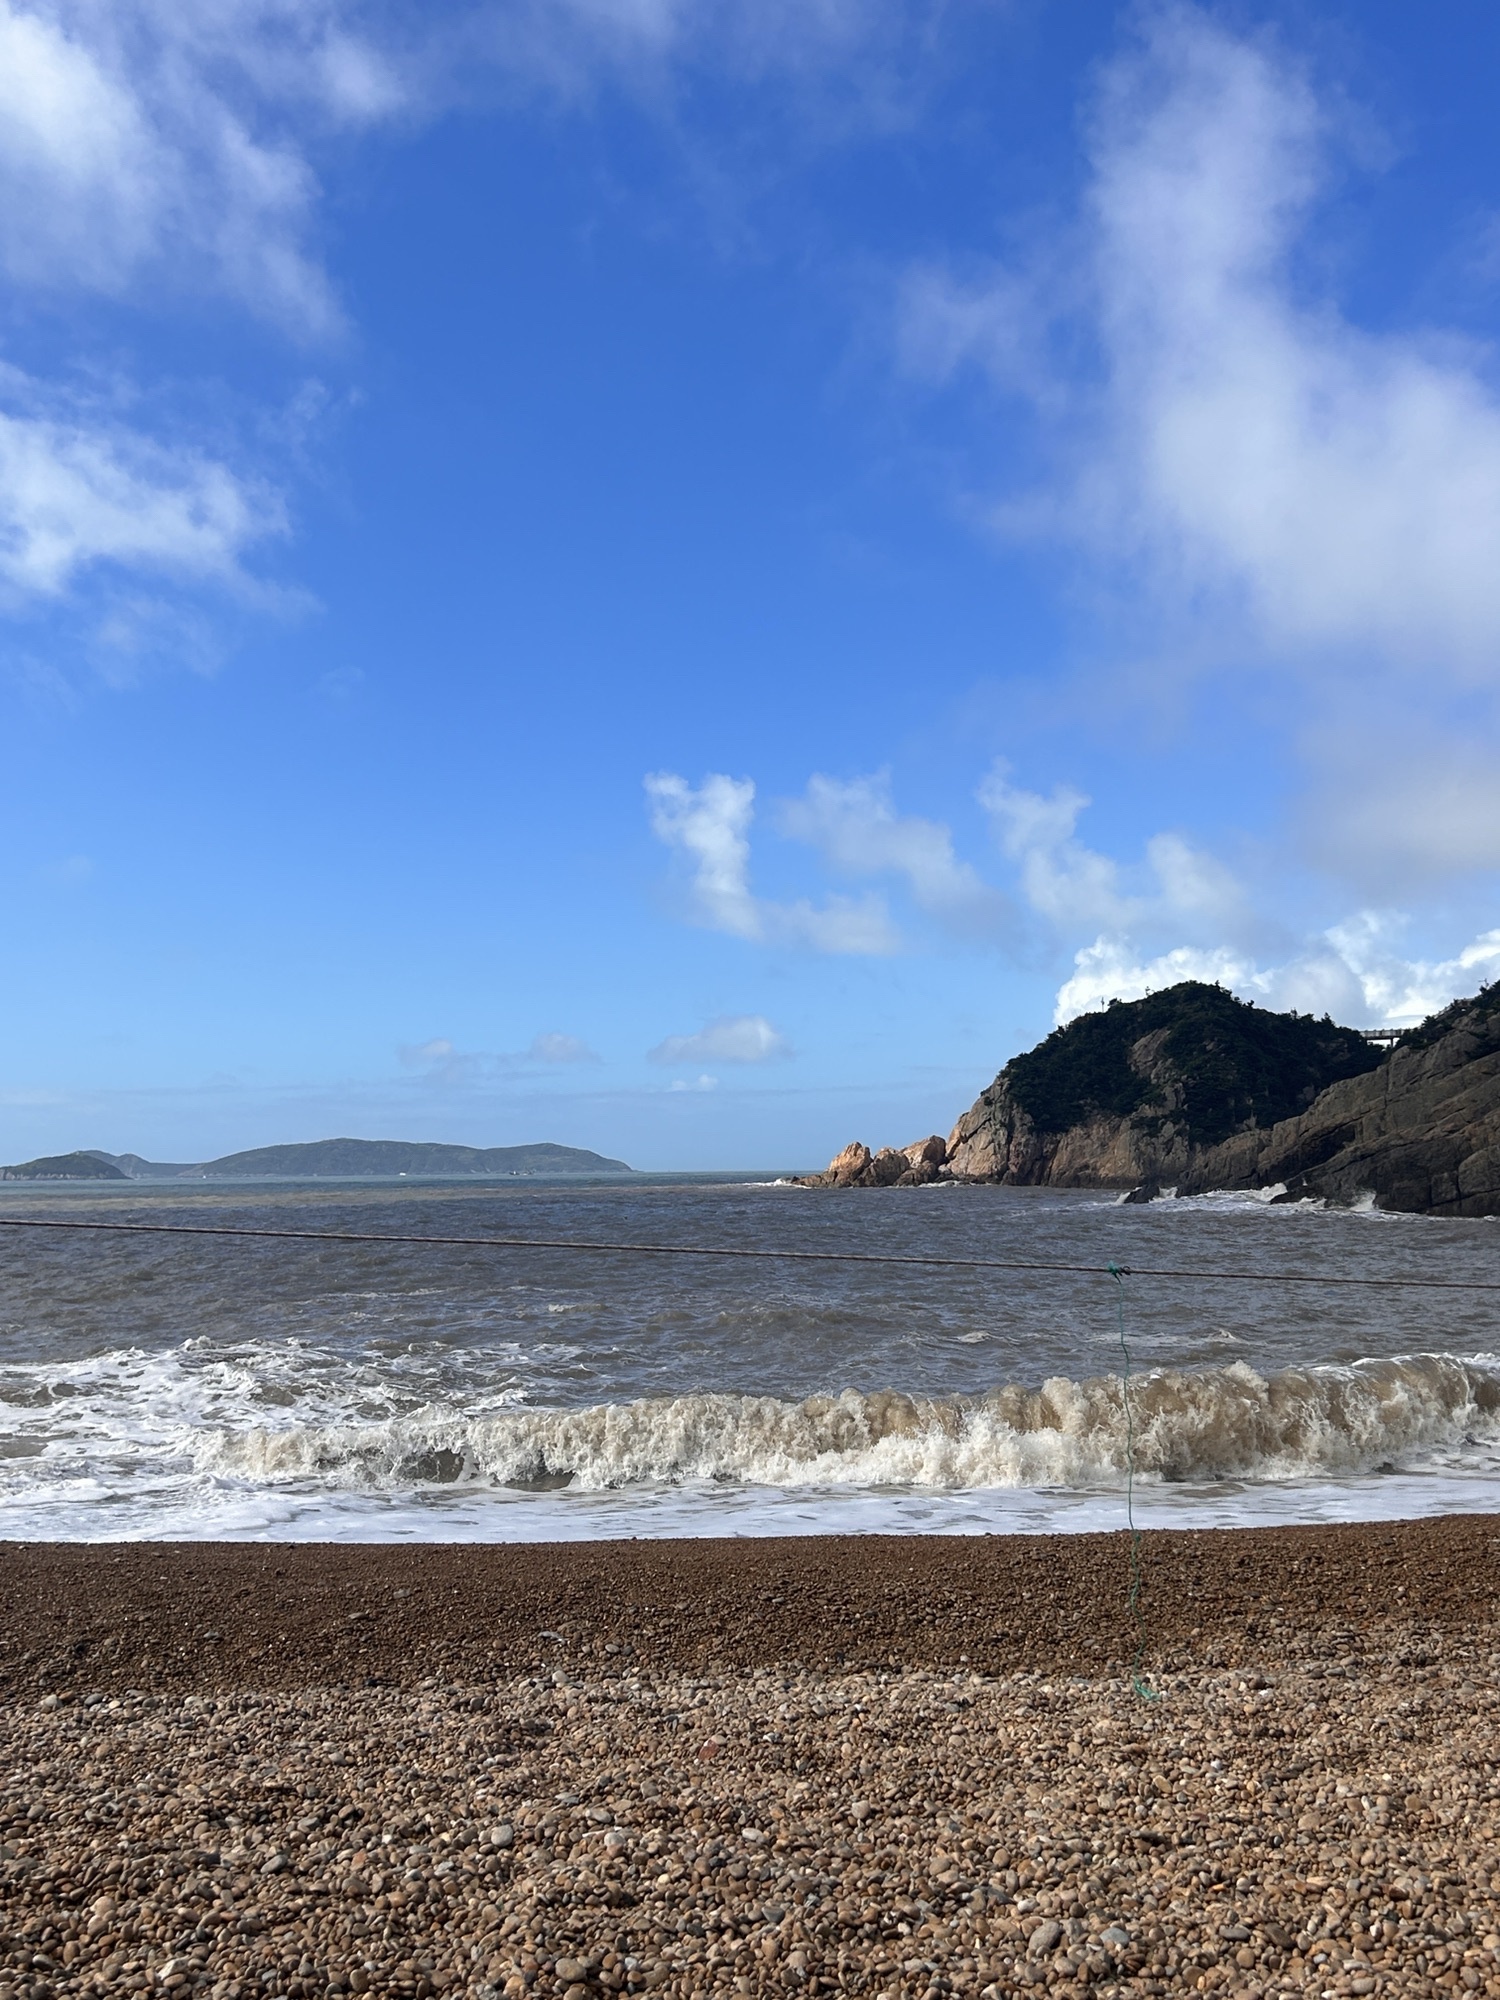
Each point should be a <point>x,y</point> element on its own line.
<point>344,1159</point>
<point>64,1167</point>
<point>137,1169</point>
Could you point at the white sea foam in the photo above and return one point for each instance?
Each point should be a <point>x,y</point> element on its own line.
<point>138,1444</point>
<point>290,1417</point>
<point>1218,1423</point>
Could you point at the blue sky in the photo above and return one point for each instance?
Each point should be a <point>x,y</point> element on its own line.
<point>686,578</point>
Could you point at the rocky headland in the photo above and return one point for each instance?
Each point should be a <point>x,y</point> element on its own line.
<point>1193,1089</point>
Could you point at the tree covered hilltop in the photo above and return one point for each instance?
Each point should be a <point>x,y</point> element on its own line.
<point>1194,1089</point>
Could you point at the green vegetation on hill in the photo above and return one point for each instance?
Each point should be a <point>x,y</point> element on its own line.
<point>1234,1064</point>
<point>64,1167</point>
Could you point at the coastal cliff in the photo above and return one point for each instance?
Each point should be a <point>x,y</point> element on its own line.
<point>1420,1133</point>
<point>1193,1089</point>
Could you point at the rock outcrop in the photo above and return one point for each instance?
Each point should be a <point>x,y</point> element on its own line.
<point>893,1166</point>
<point>1196,1090</point>
<point>1420,1133</point>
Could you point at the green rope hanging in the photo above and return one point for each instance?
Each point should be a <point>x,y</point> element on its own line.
<point>1133,1601</point>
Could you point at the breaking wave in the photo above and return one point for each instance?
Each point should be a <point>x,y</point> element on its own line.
<point>1202,1425</point>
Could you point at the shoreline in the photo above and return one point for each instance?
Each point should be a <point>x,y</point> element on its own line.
<point>754,1768</point>
<point>84,1616</point>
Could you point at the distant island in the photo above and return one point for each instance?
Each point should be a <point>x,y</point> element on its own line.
<point>327,1159</point>
<point>65,1167</point>
<point>1193,1089</point>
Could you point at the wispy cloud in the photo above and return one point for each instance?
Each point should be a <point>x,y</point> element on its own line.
<point>1252,473</point>
<point>731,1038</point>
<point>1069,883</point>
<point>709,827</point>
<point>159,152</point>
<point>442,1063</point>
<point>857,830</point>
<point>79,492</point>
<point>842,63</point>
<point>554,1047</point>
<point>154,154</point>
<point>1131,926</point>
<point>144,143</point>
<point>1180,914</point>
<point>1332,488</point>
<point>1402,990</point>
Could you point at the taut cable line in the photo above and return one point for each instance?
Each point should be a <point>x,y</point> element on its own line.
<point>590,1247</point>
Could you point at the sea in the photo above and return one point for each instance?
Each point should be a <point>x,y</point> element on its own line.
<point>183,1386</point>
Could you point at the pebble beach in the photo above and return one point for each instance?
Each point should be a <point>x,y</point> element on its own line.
<point>885,1766</point>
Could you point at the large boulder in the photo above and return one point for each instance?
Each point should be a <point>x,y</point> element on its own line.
<point>847,1169</point>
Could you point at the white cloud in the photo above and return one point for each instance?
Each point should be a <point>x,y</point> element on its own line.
<point>1108,969</point>
<point>79,166</point>
<point>710,828</point>
<point>1183,915</point>
<point>416,1054</point>
<point>442,1065</point>
<point>1401,991</point>
<point>142,141</point>
<point>1397,807</point>
<point>156,150</point>
<point>1334,493</point>
<point>733,1038</point>
<point>696,1083</point>
<point>77,493</point>
<point>856,60</point>
<point>1069,883</point>
<point>1352,972</point>
<point>441,1062</point>
<point>557,1048</point>
<point>857,830</point>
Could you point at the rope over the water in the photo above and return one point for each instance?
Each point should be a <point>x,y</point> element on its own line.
<point>726,1250</point>
<point>1133,1599</point>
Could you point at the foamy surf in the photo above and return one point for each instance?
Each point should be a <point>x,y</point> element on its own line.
<point>1222,1423</point>
<point>391,1392</point>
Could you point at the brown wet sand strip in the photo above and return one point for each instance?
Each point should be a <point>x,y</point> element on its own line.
<point>883,1765</point>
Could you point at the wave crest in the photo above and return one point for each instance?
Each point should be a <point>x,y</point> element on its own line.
<point>1188,1425</point>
